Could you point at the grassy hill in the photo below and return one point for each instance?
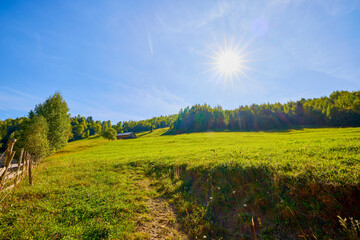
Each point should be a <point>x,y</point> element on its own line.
<point>289,184</point>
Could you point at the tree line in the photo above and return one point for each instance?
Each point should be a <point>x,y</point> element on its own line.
<point>149,124</point>
<point>49,126</point>
<point>82,127</point>
<point>340,109</point>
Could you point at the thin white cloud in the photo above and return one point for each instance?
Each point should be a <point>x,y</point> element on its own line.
<point>150,42</point>
<point>149,102</point>
<point>191,20</point>
<point>136,104</point>
<point>338,7</point>
<point>20,93</point>
<point>98,111</point>
<point>12,99</point>
<point>162,98</point>
<point>321,59</point>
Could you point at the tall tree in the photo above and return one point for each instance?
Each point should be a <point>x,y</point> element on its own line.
<point>36,137</point>
<point>56,112</point>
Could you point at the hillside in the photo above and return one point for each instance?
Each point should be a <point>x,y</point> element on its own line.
<point>276,184</point>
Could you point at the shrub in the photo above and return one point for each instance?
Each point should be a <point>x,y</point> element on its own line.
<point>109,133</point>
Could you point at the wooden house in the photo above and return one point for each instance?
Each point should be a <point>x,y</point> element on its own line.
<point>128,135</point>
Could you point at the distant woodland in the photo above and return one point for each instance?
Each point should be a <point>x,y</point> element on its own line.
<point>82,127</point>
<point>340,109</point>
<point>52,126</point>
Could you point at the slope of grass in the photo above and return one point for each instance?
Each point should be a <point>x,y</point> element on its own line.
<point>76,195</point>
<point>223,184</point>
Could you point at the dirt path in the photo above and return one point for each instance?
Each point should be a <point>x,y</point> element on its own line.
<point>160,222</point>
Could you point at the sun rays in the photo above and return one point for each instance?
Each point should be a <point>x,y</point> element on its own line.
<point>229,61</point>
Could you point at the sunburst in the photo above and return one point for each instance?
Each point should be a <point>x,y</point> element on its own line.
<point>229,61</point>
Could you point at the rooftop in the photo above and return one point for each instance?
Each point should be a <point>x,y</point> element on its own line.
<point>124,134</point>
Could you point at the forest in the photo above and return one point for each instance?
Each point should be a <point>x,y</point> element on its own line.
<point>340,109</point>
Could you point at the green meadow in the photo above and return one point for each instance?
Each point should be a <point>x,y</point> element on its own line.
<point>223,185</point>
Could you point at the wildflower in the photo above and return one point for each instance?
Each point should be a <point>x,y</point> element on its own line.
<point>233,191</point>
<point>204,236</point>
<point>210,198</point>
<point>245,205</point>
<point>219,188</point>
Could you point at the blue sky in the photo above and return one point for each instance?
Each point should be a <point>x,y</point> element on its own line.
<point>134,60</point>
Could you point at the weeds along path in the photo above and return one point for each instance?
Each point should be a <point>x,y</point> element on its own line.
<point>160,220</point>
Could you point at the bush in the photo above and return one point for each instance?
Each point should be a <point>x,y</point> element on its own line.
<point>109,133</point>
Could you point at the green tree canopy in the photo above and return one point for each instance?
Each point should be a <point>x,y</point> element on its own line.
<point>340,109</point>
<point>55,111</point>
<point>35,137</point>
<point>109,133</point>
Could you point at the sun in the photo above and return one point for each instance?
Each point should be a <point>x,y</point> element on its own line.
<point>229,61</point>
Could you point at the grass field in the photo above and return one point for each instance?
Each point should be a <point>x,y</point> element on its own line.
<point>235,185</point>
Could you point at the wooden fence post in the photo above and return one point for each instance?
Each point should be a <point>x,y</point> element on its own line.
<point>25,161</point>
<point>30,166</point>
<point>24,169</point>
<point>9,157</point>
<point>19,166</point>
<point>3,154</point>
<point>24,166</point>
